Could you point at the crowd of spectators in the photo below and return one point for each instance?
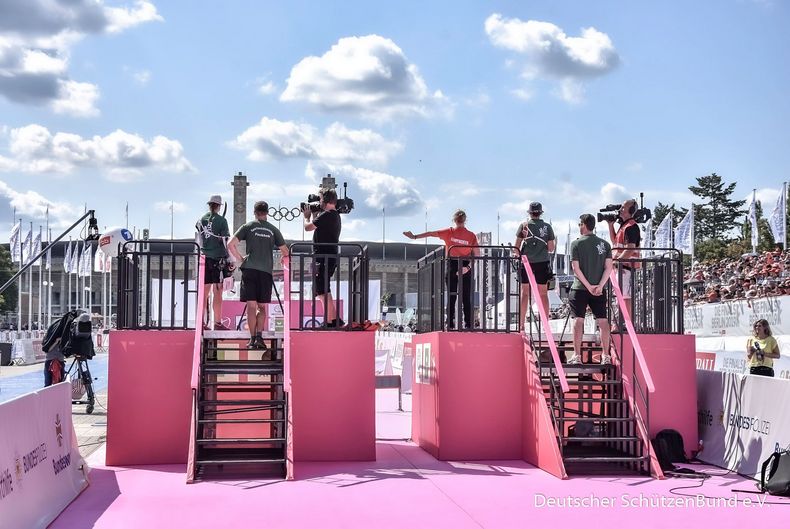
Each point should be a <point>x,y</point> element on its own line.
<point>748,277</point>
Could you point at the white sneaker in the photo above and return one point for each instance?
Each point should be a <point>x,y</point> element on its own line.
<point>606,360</point>
<point>574,360</point>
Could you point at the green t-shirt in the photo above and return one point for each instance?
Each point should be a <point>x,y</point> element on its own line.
<point>767,345</point>
<point>212,228</point>
<point>591,252</point>
<point>262,238</point>
<point>536,234</point>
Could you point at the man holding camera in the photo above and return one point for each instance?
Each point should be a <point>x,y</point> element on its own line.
<point>627,237</point>
<point>256,268</point>
<point>535,239</point>
<point>326,226</point>
<point>212,233</point>
<point>592,264</point>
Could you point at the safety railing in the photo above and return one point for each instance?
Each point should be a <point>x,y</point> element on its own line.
<point>158,285</point>
<point>197,346</point>
<point>477,293</point>
<point>655,282</point>
<point>312,274</point>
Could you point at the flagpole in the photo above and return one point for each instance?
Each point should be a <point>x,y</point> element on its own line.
<point>90,283</point>
<point>67,269</point>
<point>19,283</point>
<point>692,235</point>
<point>30,284</point>
<point>754,226</point>
<point>784,216</point>
<point>40,284</point>
<point>49,276</point>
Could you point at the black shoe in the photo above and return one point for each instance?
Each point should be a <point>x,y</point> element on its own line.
<point>259,343</point>
<point>251,343</point>
<point>339,323</point>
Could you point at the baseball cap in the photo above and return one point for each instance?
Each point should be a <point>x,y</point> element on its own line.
<point>535,207</point>
<point>215,199</point>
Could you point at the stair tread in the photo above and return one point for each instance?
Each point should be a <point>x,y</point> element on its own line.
<point>602,459</point>
<point>239,421</point>
<point>242,440</point>
<point>240,401</point>
<point>601,439</point>
<point>593,399</point>
<point>241,370</point>
<point>601,419</point>
<point>236,384</point>
<point>239,461</point>
<point>238,335</point>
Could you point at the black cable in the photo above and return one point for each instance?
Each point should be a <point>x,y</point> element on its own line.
<point>705,476</point>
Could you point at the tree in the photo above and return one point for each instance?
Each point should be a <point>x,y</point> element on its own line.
<point>716,215</point>
<point>662,210</point>
<point>8,298</point>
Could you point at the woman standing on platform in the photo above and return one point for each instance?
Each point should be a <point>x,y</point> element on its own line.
<point>459,242</point>
<point>762,350</point>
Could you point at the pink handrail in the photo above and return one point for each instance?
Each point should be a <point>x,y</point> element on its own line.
<point>199,312</point>
<point>544,318</point>
<point>286,324</point>
<point>629,325</point>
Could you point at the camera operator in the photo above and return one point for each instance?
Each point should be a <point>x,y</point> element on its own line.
<point>458,242</point>
<point>535,239</point>
<point>256,268</point>
<point>212,233</point>
<point>627,237</point>
<point>327,225</point>
<point>592,264</point>
<point>762,350</point>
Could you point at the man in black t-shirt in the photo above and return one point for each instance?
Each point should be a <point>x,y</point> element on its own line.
<point>625,240</point>
<point>326,226</point>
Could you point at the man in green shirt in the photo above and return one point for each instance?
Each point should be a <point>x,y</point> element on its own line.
<point>256,268</point>
<point>535,239</point>
<point>592,265</point>
<point>212,233</point>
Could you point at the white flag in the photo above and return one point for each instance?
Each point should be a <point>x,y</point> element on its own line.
<point>67,259</point>
<point>16,248</point>
<point>27,247</point>
<point>648,239</point>
<point>753,222</point>
<point>663,235</point>
<point>86,261</point>
<point>684,235</point>
<point>36,248</point>
<point>49,256</point>
<point>777,218</point>
<point>98,261</point>
<point>76,260</point>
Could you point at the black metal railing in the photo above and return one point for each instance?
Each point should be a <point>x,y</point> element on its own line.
<point>330,270</point>
<point>468,293</point>
<point>158,285</point>
<point>656,285</point>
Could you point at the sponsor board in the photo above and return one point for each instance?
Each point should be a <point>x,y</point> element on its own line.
<point>735,318</point>
<point>41,470</point>
<point>742,419</point>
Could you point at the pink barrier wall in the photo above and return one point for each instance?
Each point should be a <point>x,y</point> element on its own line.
<point>149,397</point>
<point>671,359</point>
<point>467,395</point>
<point>332,396</point>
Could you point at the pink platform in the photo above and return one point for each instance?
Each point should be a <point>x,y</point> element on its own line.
<point>150,397</point>
<point>331,384</point>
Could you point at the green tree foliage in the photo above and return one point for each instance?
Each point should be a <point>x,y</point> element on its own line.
<point>7,269</point>
<point>717,214</point>
<point>662,210</point>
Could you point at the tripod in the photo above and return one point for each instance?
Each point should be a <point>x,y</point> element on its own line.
<point>84,375</point>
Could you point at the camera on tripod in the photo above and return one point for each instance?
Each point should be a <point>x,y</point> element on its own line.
<point>344,205</point>
<point>640,215</point>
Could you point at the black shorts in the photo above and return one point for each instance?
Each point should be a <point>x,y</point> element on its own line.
<point>762,370</point>
<point>579,300</point>
<point>324,268</point>
<point>542,272</point>
<point>212,273</point>
<point>256,285</point>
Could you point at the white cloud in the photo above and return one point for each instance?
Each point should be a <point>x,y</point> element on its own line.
<point>142,77</point>
<point>368,76</point>
<point>547,52</point>
<point>178,207</point>
<point>34,205</point>
<point>34,149</point>
<point>36,37</point>
<point>523,94</point>
<point>379,190</point>
<point>272,139</point>
<point>634,167</point>
<point>267,88</point>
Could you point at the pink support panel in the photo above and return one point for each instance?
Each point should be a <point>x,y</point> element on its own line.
<point>149,397</point>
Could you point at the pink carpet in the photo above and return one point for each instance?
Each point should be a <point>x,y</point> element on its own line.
<point>406,488</point>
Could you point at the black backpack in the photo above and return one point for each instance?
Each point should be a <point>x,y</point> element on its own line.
<point>669,449</point>
<point>777,482</point>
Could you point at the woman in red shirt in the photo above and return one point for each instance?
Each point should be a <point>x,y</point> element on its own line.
<point>459,243</point>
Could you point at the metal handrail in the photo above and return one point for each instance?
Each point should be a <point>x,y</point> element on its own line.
<point>544,319</point>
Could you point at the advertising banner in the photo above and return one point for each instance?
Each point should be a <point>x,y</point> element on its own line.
<point>735,318</point>
<point>742,419</point>
<point>391,356</point>
<point>41,470</point>
<point>728,354</point>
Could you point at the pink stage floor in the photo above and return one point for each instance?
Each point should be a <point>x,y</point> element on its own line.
<point>407,488</point>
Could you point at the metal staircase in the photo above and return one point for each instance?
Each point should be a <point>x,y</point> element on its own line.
<point>594,425</point>
<point>241,408</point>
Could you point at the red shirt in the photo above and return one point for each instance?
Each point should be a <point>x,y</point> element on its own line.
<point>458,237</point>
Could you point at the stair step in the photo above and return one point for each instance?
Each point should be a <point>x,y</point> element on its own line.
<point>241,402</point>
<point>594,419</point>
<point>579,368</point>
<point>242,440</point>
<point>238,335</point>
<point>573,382</point>
<point>241,370</point>
<point>241,363</point>
<point>235,384</point>
<point>603,459</point>
<point>247,461</point>
<point>239,421</point>
<point>600,439</point>
<point>565,399</point>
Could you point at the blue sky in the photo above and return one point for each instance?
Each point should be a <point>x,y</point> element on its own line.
<point>420,106</point>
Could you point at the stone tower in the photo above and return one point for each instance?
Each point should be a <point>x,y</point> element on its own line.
<point>240,185</point>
